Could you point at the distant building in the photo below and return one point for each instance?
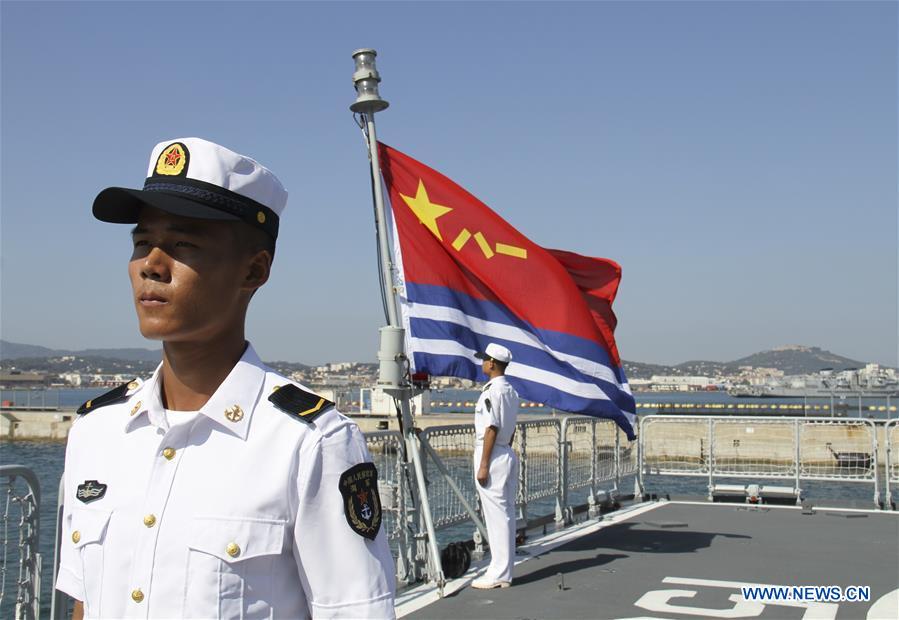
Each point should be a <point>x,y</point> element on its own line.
<point>19,380</point>
<point>451,382</point>
<point>670,383</point>
<point>640,385</point>
<point>73,379</point>
<point>758,376</point>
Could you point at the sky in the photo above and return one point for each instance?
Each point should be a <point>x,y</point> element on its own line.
<point>739,160</point>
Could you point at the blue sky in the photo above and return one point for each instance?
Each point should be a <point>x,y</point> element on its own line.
<point>738,159</point>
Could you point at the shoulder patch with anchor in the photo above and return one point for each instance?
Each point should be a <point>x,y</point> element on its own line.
<point>361,502</point>
<point>296,401</point>
<point>113,396</point>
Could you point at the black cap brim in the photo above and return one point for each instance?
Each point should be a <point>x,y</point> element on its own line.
<point>482,356</point>
<point>120,205</point>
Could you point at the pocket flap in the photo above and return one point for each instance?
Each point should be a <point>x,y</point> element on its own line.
<point>88,526</point>
<point>234,539</point>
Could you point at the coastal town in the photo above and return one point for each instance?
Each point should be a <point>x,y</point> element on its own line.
<point>784,371</point>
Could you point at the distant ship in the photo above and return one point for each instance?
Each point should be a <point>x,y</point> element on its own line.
<point>825,385</point>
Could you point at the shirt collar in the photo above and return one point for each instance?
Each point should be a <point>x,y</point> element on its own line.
<point>493,381</point>
<point>231,406</point>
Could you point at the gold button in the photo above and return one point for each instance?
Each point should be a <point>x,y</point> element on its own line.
<point>169,453</point>
<point>260,217</point>
<point>233,550</point>
<point>234,413</point>
<point>76,536</point>
<point>136,407</point>
<point>133,385</point>
<point>137,596</point>
<point>150,520</point>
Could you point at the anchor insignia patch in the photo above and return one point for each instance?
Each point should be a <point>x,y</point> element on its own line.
<point>361,502</point>
<point>90,491</point>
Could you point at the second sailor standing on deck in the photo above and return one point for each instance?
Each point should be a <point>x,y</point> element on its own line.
<point>496,465</point>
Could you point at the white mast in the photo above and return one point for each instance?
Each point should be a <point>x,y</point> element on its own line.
<point>393,375</point>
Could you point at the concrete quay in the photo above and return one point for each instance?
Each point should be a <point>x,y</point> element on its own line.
<point>24,424</point>
<point>677,440</point>
<point>37,425</point>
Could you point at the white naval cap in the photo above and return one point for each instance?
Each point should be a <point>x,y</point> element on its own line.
<point>496,352</point>
<point>193,177</point>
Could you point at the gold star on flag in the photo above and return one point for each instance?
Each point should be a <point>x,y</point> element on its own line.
<point>426,211</point>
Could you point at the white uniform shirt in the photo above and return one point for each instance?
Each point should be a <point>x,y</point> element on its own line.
<point>497,406</point>
<point>234,513</point>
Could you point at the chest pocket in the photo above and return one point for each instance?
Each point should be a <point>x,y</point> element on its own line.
<point>88,533</point>
<point>230,566</point>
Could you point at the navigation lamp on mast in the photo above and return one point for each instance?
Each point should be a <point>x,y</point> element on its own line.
<point>365,80</point>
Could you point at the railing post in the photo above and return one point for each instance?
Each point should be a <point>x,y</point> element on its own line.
<point>641,457</point>
<point>874,446</point>
<point>797,435</point>
<point>523,472</point>
<point>405,515</point>
<point>888,461</point>
<point>563,514</point>
<point>710,461</point>
<point>617,460</point>
<point>592,509</point>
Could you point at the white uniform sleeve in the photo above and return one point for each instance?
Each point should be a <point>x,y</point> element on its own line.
<point>344,574</point>
<point>69,579</point>
<point>497,402</point>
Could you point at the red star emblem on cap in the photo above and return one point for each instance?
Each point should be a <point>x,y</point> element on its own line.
<point>172,157</point>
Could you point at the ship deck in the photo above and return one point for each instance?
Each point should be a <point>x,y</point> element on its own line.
<point>686,560</point>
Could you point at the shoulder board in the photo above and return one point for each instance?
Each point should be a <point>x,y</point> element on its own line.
<point>113,396</point>
<point>296,401</point>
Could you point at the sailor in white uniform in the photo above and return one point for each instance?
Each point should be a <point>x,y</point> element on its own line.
<point>496,465</point>
<point>217,488</point>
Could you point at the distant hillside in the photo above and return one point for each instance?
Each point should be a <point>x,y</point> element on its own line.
<point>798,360</point>
<point>644,371</point>
<point>15,350</point>
<point>792,360</point>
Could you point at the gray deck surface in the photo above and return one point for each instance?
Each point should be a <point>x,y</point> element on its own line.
<point>607,572</point>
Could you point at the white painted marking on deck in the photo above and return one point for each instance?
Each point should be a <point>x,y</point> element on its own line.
<point>813,610</point>
<point>761,507</point>
<point>659,601</point>
<point>886,607</point>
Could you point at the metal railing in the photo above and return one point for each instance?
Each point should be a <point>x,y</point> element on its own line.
<point>557,457</point>
<point>35,400</point>
<point>20,570</point>
<point>795,449</point>
<point>571,461</point>
<point>594,452</point>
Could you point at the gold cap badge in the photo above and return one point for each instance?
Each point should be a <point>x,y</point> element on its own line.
<point>173,160</point>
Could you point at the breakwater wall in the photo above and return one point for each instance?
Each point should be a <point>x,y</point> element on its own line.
<point>681,441</point>
<point>37,425</point>
<point>25,424</point>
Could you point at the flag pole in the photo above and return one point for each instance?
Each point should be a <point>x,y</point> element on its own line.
<point>393,374</point>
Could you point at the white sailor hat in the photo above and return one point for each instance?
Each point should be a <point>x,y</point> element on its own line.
<point>495,352</point>
<point>193,177</point>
